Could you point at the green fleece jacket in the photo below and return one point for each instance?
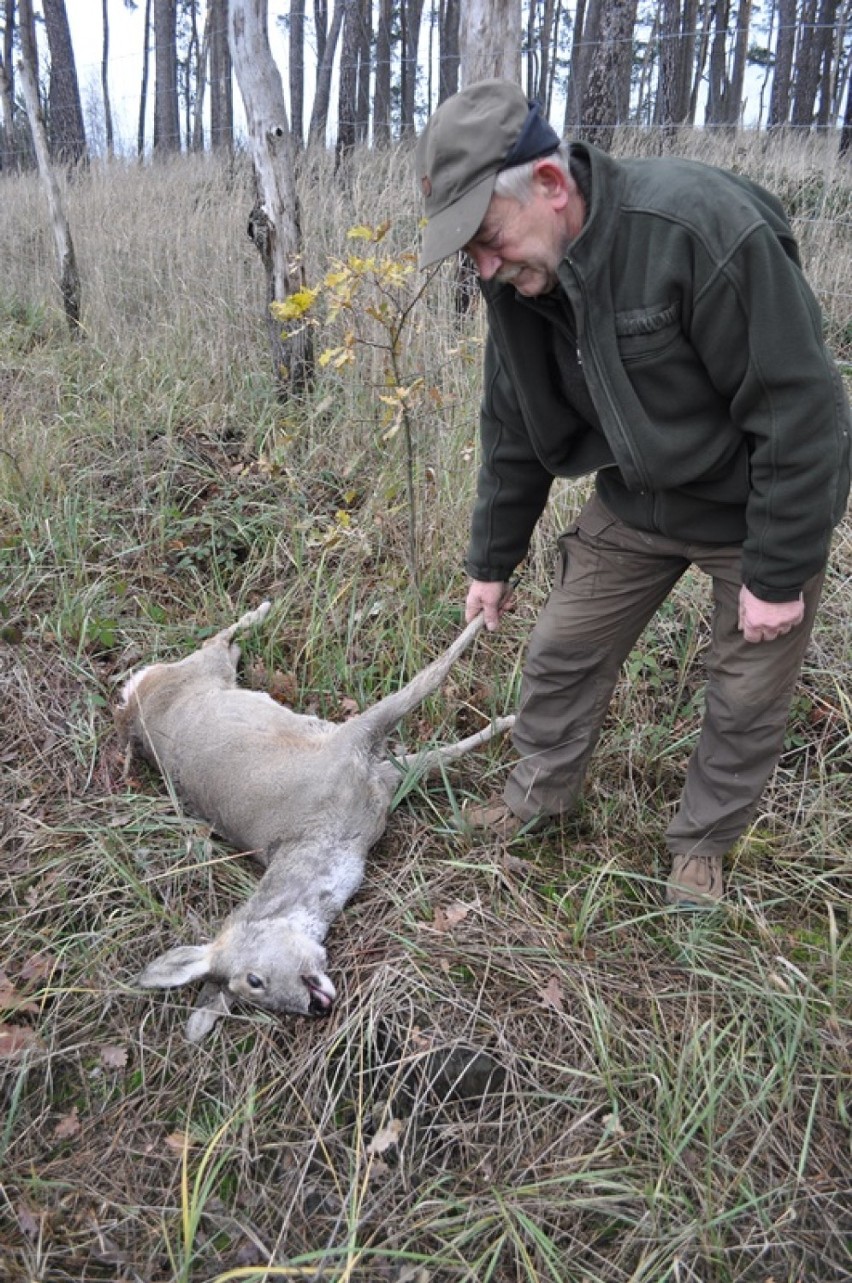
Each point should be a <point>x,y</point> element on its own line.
<point>682,361</point>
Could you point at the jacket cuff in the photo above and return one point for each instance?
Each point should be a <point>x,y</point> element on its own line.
<point>489,574</point>
<point>776,595</point>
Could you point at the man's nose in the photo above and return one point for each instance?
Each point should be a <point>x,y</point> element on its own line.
<point>486,262</point>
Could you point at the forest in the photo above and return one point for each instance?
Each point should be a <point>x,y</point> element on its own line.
<point>362,72</point>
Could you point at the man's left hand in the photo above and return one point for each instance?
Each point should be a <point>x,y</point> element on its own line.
<point>766,620</point>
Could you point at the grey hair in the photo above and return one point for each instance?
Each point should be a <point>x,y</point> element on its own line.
<point>516,183</point>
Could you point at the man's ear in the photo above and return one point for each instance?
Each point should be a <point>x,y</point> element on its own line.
<point>552,181</point>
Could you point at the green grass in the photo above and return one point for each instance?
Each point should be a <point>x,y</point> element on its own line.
<point>534,1071</point>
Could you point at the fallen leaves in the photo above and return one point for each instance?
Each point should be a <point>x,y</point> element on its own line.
<point>10,999</point>
<point>28,1222</point>
<point>37,968</point>
<point>179,1142</point>
<point>68,1127</point>
<point>551,995</point>
<point>446,919</point>
<point>113,1057</point>
<point>15,1040</point>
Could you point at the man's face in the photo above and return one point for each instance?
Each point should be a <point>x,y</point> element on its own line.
<point>520,244</point>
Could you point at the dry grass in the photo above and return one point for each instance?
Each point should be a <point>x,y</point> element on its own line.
<point>534,1072</point>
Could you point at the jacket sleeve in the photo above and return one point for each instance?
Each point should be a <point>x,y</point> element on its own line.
<point>512,485</point>
<point>757,328</point>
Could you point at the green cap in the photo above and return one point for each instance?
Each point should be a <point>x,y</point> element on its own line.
<point>487,127</point>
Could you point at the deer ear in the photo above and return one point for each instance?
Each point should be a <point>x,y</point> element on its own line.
<point>177,967</point>
<point>213,1003</point>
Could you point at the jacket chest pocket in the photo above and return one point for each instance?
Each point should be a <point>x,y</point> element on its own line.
<point>645,332</point>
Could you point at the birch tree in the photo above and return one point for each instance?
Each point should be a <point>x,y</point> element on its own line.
<point>490,40</point>
<point>69,278</point>
<point>274,224</point>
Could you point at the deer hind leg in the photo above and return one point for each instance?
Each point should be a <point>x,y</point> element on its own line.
<point>249,620</point>
<point>429,759</point>
<point>225,638</point>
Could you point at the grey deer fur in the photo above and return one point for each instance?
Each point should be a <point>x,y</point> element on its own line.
<point>306,797</point>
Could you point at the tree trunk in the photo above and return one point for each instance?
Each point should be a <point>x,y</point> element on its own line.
<point>297,72</point>
<point>194,76</point>
<point>274,225</point>
<point>606,102</point>
<point>734,90</point>
<point>671,53</point>
<point>143,90</point>
<point>807,70</point>
<point>221,90</point>
<point>320,28</point>
<point>362,88</point>
<point>166,107</point>
<point>353,102</point>
<point>827,26</point>
<point>69,278</point>
<point>322,94</point>
<point>545,52</point>
<point>718,78</point>
<point>448,57</point>
<point>201,80</point>
<point>846,131</point>
<point>700,61</point>
<point>347,86</point>
<point>779,98</point>
<point>412,15</point>
<point>67,134</point>
<point>108,129</point>
<point>382,85</point>
<point>587,27</point>
<point>490,40</point>
<point>688,38</point>
<point>8,151</point>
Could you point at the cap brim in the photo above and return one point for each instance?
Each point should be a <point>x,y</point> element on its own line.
<point>450,229</point>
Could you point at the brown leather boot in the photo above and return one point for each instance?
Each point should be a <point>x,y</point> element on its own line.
<point>695,881</point>
<point>494,816</point>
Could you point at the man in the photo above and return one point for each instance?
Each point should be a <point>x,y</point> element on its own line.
<point>648,322</point>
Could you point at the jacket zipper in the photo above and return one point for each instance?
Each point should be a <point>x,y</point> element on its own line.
<point>594,366</point>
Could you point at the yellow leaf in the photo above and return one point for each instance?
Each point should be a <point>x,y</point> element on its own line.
<point>294,306</point>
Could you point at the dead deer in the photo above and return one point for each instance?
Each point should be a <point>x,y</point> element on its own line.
<point>308,798</point>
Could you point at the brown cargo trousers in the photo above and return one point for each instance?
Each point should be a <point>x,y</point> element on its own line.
<point>611,581</point>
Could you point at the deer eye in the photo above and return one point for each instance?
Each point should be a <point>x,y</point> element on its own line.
<point>254,982</point>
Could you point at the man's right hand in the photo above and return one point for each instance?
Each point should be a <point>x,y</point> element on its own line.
<point>491,598</point>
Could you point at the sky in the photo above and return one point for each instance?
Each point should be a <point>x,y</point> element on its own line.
<point>125,62</point>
